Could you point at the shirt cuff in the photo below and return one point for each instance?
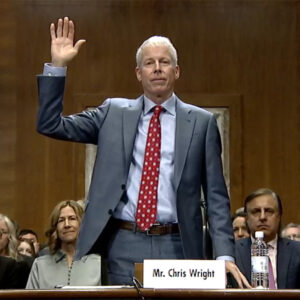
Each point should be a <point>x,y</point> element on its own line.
<point>49,70</point>
<point>225,257</point>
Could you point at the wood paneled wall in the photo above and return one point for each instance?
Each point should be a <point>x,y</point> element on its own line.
<point>226,47</point>
<point>8,112</point>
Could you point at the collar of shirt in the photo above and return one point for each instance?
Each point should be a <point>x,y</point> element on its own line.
<point>59,255</point>
<point>273,243</point>
<point>169,105</point>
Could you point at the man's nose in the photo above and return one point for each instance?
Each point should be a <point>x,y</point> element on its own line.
<point>157,65</point>
<point>241,232</point>
<point>262,214</point>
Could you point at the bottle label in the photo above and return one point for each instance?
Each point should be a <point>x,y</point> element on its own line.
<point>259,264</point>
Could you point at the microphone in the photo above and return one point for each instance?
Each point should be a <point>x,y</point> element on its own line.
<point>138,287</point>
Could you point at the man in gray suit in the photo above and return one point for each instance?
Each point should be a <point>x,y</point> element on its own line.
<point>190,158</point>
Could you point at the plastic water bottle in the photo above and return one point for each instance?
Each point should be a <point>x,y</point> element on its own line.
<point>259,262</point>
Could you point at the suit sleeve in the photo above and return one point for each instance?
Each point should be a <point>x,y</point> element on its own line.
<point>82,127</point>
<point>218,203</point>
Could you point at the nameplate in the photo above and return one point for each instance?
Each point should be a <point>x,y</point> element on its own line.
<point>184,274</point>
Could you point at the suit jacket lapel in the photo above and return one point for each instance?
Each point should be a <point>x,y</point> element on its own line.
<point>283,259</point>
<point>185,122</point>
<point>131,116</point>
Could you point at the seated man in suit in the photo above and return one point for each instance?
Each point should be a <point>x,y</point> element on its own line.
<point>264,210</point>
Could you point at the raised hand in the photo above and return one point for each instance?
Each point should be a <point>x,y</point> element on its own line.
<point>63,49</point>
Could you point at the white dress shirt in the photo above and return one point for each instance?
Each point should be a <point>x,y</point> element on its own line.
<point>166,203</point>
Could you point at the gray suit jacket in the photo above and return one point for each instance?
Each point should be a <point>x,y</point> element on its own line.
<point>288,262</point>
<point>113,126</point>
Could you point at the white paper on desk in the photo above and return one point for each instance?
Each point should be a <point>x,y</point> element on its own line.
<point>184,274</point>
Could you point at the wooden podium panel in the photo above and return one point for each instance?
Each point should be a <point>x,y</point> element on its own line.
<point>131,293</point>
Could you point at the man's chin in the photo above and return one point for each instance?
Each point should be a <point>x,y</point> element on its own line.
<point>159,93</point>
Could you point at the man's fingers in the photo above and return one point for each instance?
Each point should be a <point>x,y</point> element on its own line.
<point>238,280</point>
<point>71,30</point>
<point>59,28</point>
<point>52,31</point>
<point>79,44</point>
<point>245,281</point>
<point>62,48</point>
<point>241,279</point>
<point>237,274</point>
<point>66,27</point>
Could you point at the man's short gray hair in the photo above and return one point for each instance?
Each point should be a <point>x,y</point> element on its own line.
<point>156,41</point>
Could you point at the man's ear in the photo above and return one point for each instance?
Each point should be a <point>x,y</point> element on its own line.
<point>177,72</point>
<point>138,74</point>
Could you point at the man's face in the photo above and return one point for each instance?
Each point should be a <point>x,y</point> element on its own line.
<point>263,215</point>
<point>4,237</point>
<point>157,73</point>
<point>67,225</point>
<point>31,238</point>
<point>292,233</point>
<point>240,229</point>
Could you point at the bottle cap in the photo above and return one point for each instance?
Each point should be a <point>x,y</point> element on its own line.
<point>259,234</point>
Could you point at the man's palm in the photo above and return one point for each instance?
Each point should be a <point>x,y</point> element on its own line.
<point>62,40</point>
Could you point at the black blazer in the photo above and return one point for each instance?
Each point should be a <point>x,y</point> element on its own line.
<point>13,274</point>
<point>288,261</point>
<point>8,273</point>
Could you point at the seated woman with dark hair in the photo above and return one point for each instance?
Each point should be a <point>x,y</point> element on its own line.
<point>58,268</point>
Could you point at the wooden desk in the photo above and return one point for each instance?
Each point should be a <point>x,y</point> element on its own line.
<point>131,293</point>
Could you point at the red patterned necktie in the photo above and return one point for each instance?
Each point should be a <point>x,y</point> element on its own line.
<point>147,201</point>
<point>271,274</point>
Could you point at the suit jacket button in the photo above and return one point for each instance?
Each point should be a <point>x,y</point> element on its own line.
<point>110,211</point>
<point>123,186</point>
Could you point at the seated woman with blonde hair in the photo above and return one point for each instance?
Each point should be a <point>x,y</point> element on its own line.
<point>58,268</point>
<point>8,250</point>
<point>8,239</point>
